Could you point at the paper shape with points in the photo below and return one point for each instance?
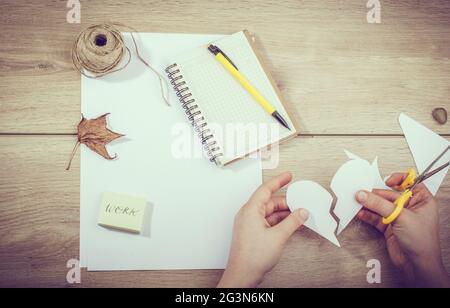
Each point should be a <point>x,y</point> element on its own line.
<point>317,200</point>
<point>354,175</point>
<point>379,182</point>
<point>351,177</point>
<point>425,146</point>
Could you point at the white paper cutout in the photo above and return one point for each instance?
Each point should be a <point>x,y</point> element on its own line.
<point>317,200</point>
<point>354,175</point>
<point>425,146</point>
<point>350,155</point>
<point>379,182</point>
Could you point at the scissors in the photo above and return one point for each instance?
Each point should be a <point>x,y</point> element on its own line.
<point>408,184</point>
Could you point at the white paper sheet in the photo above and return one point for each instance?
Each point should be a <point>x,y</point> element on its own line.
<point>425,146</point>
<point>193,201</point>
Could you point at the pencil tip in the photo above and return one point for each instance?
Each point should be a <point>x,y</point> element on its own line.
<point>280,119</point>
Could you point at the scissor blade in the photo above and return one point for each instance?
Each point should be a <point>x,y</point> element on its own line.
<point>424,173</point>
<point>430,174</point>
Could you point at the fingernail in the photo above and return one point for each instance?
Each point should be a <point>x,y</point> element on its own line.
<point>361,196</point>
<point>304,214</point>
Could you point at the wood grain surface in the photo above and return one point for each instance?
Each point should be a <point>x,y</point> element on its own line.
<point>346,81</point>
<point>331,64</point>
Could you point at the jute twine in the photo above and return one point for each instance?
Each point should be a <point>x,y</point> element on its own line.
<point>100,49</point>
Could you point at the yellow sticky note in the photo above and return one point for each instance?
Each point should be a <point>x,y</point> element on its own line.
<point>122,212</point>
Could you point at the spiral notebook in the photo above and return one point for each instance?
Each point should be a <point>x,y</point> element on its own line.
<point>227,119</point>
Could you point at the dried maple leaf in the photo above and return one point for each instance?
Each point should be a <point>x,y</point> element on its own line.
<point>94,134</point>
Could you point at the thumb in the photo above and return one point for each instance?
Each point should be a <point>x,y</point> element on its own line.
<point>291,223</point>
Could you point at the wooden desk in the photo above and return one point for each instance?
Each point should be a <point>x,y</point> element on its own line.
<point>346,80</point>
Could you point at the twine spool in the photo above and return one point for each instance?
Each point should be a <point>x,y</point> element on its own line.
<point>100,49</point>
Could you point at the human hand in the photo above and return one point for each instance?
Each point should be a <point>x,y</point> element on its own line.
<point>412,239</point>
<point>261,230</point>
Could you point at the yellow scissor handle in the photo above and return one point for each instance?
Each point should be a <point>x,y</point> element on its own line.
<point>399,203</point>
<point>408,181</point>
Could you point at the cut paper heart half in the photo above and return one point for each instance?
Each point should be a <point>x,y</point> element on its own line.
<point>354,175</point>
<point>317,200</point>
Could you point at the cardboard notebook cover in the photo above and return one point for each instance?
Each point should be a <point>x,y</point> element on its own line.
<point>252,42</point>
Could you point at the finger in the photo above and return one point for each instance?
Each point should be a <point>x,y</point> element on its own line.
<point>372,219</point>
<point>277,182</point>
<point>421,195</point>
<point>375,203</point>
<point>277,217</point>
<point>291,223</point>
<point>423,189</point>
<point>276,204</point>
<point>396,179</point>
<point>389,195</point>
<point>265,191</point>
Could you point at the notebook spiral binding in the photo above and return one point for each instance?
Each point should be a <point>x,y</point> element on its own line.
<point>198,122</point>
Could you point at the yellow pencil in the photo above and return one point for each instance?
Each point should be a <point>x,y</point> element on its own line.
<point>232,69</point>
